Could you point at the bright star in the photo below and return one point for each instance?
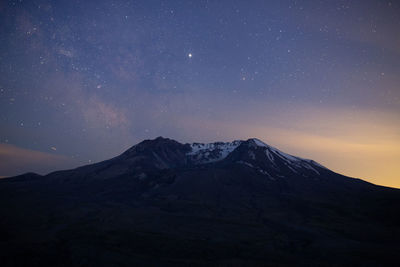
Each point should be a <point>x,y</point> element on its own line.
<point>190,55</point>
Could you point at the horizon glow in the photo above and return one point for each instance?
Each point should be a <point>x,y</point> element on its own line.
<point>82,82</point>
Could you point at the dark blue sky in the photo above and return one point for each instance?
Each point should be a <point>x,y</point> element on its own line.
<point>80,81</point>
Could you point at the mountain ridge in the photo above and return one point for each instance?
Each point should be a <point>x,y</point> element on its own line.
<point>167,203</point>
<point>197,150</point>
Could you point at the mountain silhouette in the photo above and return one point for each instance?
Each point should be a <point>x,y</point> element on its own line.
<point>163,203</point>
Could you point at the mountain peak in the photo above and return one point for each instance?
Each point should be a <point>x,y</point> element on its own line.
<point>243,193</point>
<point>257,142</point>
<point>153,143</point>
<point>211,152</point>
<point>256,154</point>
<point>167,154</point>
<point>157,140</point>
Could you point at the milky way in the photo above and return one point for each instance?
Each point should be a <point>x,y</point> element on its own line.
<point>81,81</point>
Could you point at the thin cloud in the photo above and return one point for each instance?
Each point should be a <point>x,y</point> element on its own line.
<point>16,160</point>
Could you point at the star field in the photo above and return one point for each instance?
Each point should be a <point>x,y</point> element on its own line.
<point>80,81</point>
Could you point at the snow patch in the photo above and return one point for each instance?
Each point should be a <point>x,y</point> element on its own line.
<point>317,164</point>
<point>212,152</point>
<point>259,142</point>
<point>266,173</point>
<point>245,163</point>
<point>307,166</point>
<point>269,155</point>
<point>252,155</point>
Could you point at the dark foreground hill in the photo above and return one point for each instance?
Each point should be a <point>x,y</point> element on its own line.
<point>162,203</point>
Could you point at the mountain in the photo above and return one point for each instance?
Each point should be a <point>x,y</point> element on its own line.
<point>163,203</point>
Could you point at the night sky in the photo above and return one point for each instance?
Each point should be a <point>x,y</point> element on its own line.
<point>81,81</point>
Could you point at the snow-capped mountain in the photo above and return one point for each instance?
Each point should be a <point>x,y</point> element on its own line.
<point>146,161</point>
<point>205,153</point>
<point>259,156</point>
<point>212,152</point>
<point>165,202</point>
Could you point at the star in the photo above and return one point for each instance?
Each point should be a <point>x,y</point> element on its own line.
<point>190,55</point>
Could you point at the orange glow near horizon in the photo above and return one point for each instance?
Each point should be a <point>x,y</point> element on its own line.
<point>376,163</point>
<point>365,147</point>
<point>361,144</point>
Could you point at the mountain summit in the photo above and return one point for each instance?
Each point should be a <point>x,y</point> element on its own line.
<point>163,153</point>
<point>165,203</point>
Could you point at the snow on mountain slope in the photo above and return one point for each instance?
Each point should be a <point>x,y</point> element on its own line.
<point>292,162</point>
<point>212,152</point>
<point>206,153</point>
